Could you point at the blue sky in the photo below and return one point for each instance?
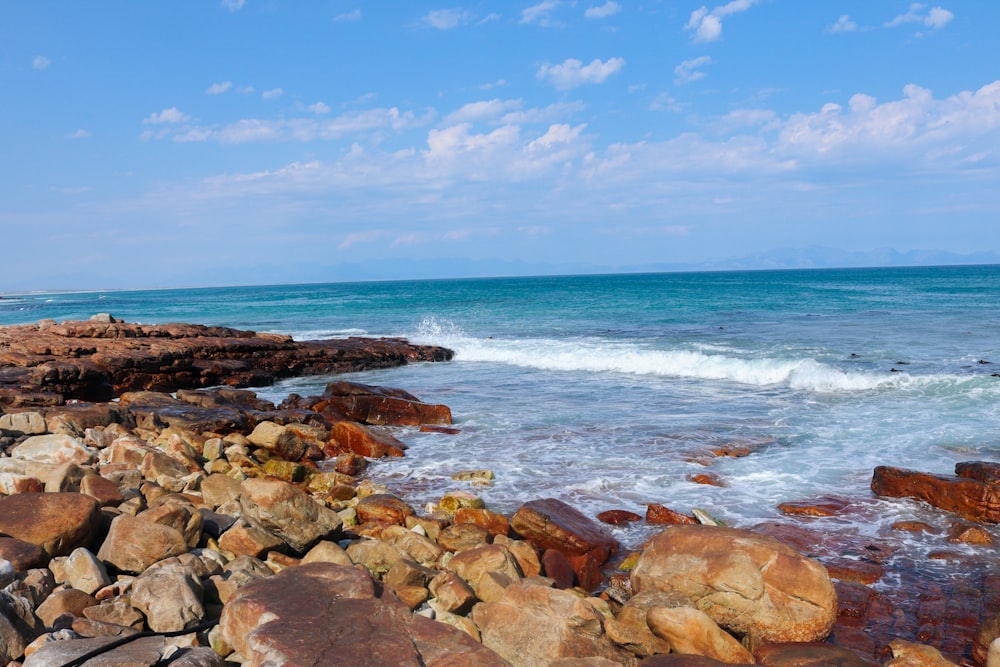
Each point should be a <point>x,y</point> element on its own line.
<point>152,144</point>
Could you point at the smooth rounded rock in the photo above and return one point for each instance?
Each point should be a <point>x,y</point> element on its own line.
<point>57,522</point>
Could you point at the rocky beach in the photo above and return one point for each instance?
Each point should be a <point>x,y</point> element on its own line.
<point>156,511</point>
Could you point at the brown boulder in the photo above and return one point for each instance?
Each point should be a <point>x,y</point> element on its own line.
<point>133,544</point>
<point>384,405</point>
<point>289,512</point>
<point>383,508</point>
<point>57,522</point>
<point>278,621</point>
<point>363,441</point>
<point>22,555</point>
<point>809,655</point>
<point>969,498</point>
<point>535,625</point>
<point>749,584</point>
<point>693,632</point>
<point>552,524</point>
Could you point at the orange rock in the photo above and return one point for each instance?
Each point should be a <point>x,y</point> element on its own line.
<point>495,524</point>
<point>57,522</point>
<point>363,441</point>
<point>659,514</point>
<point>969,498</point>
<point>616,517</point>
<point>822,506</point>
<point>708,478</point>
<point>383,508</point>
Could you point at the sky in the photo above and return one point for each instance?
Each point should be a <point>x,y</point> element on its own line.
<point>156,144</point>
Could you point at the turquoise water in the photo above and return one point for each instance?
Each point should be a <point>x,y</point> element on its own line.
<point>607,391</point>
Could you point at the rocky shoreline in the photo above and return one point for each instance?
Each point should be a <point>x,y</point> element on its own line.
<point>150,517</point>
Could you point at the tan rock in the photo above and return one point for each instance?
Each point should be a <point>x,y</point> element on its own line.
<point>12,482</point>
<point>376,556</point>
<point>54,448</point>
<point>287,511</point>
<point>535,625</point>
<point>326,551</point>
<point>691,631</point>
<point>178,514</point>
<point>747,583</point>
<point>133,544</point>
<point>170,596</point>
<point>116,611</point>
<point>473,564</point>
<point>452,593</point>
<point>249,538</point>
<point>416,546</point>
<point>64,601</point>
<point>18,626</point>
<point>141,652</point>
<point>103,490</point>
<point>910,654</point>
<point>383,508</point>
<point>57,522</point>
<point>84,572</point>
<point>459,537</point>
<point>23,423</point>
<point>220,489</point>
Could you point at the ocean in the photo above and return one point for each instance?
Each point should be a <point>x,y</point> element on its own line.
<point>613,391</point>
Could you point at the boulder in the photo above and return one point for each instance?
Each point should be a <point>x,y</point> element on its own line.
<point>54,448</point>
<point>170,596</point>
<point>289,512</point>
<point>18,626</point>
<point>691,631</point>
<point>249,538</point>
<point>809,654</point>
<point>133,544</point>
<point>57,522</point>
<point>359,439</point>
<point>139,653</point>
<point>552,524</point>
<point>84,572</point>
<point>967,497</point>
<point>276,621</point>
<point>22,555</point>
<point>535,625</point>
<point>751,585</point>
<point>64,601</point>
<point>23,423</point>
<point>383,405</point>
<point>383,508</point>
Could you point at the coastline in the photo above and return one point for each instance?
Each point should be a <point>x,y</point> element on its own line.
<point>299,449</point>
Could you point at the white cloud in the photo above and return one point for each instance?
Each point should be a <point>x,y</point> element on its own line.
<point>664,102</point>
<point>553,113</point>
<point>296,129</point>
<point>540,14</point>
<point>457,139</point>
<point>572,72</point>
<point>446,19</point>
<point>707,25</point>
<point>484,111</point>
<point>272,94</point>
<point>844,24</point>
<point>319,108</point>
<point>908,130</point>
<point>219,88</point>
<point>690,70</point>
<point>353,15</point>
<point>609,8</point>
<point>79,134</point>
<point>170,116</point>
<point>557,134</point>
<point>935,18</point>
<point>234,5</point>
<point>40,62</point>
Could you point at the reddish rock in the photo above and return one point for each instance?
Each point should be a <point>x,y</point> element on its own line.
<point>96,361</point>
<point>710,479</point>
<point>552,524</point>
<point>969,498</point>
<point>982,471</point>
<point>383,508</point>
<point>846,569</point>
<point>133,544</point>
<point>822,506</point>
<point>384,405</point>
<point>103,490</point>
<point>495,524</point>
<point>458,537</point>
<point>659,514</point>
<point>277,621</point>
<point>558,568</point>
<point>363,441</point>
<point>618,517</point>
<point>962,532</point>
<point>447,430</point>
<point>57,522</point>
<point>350,464</point>
<point>809,655</point>
<point>22,555</point>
